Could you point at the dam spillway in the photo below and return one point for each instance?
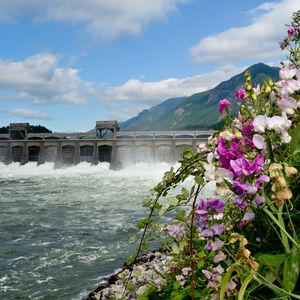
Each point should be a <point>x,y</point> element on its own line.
<point>118,149</point>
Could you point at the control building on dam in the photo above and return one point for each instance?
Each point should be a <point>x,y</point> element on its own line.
<point>105,144</point>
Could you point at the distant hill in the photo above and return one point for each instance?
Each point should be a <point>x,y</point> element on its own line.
<point>34,129</point>
<point>199,111</point>
<point>145,119</point>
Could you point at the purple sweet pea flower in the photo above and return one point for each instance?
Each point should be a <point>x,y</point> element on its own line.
<point>216,229</point>
<point>216,204</point>
<point>216,245</point>
<point>240,94</point>
<point>181,279</point>
<point>292,31</point>
<point>243,189</point>
<point>258,200</point>
<point>201,212</point>
<point>218,270</point>
<point>242,203</point>
<point>185,271</point>
<point>219,257</point>
<point>246,130</point>
<point>241,167</point>
<point>207,232</point>
<point>256,166</point>
<point>260,180</point>
<point>248,216</point>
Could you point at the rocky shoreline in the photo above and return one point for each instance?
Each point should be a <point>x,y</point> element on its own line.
<point>147,269</point>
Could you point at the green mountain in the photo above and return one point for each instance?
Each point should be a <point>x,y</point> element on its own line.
<point>199,111</point>
<point>145,119</point>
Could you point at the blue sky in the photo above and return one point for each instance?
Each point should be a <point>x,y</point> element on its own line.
<point>66,63</point>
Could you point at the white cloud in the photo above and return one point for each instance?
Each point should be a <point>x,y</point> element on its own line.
<point>258,41</point>
<point>151,93</point>
<point>40,79</point>
<point>102,18</point>
<point>28,114</point>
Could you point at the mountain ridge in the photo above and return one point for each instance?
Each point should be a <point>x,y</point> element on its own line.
<point>198,111</point>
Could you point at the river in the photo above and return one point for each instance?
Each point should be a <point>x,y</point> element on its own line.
<point>63,230</point>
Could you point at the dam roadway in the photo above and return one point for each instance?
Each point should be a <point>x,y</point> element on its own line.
<point>118,149</point>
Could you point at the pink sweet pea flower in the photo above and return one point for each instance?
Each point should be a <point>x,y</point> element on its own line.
<point>224,106</point>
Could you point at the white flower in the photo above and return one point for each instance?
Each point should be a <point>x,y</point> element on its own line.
<point>201,147</point>
<point>287,71</point>
<point>287,87</point>
<point>288,105</point>
<point>259,141</point>
<point>222,174</point>
<point>214,173</point>
<point>260,123</point>
<point>257,90</point>
<point>285,137</point>
<point>278,123</point>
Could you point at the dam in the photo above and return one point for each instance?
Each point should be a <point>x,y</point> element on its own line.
<point>105,144</point>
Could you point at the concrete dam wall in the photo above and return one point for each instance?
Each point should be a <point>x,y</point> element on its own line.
<point>119,149</point>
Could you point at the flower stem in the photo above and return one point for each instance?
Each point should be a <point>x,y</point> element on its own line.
<point>191,250</point>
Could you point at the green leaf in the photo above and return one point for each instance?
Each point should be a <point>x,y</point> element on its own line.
<point>172,201</point>
<point>244,286</point>
<point>185,192</point>
<point>175,248</point>
<point>143,223</point>
<point>295,141</point>
<point>182,244</point>
<point>181,215</point>
<point>199,180</point>
<point>200,264</point>
<point>291,269</point>
<point>269,260</point>
<point>131,286</point>
<point>225,280</point>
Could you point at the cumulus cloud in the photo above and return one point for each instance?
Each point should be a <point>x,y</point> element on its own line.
<point>40,79</point>
<point>102,18</point>
<point>28,114</point>
<point>257,41</point>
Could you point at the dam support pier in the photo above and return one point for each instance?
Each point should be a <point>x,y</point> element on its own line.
<point>106,144</point>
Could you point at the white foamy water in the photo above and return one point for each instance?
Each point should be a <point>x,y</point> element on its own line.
<point>63,229</point>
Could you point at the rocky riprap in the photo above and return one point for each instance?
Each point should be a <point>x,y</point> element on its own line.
<point>146,269</point>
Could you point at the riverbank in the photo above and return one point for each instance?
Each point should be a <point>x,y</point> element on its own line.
<point>147,268</point>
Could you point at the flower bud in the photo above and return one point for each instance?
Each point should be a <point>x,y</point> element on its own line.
<point>254,265</point>
<point>285,194</point>
<point>281,182</point>
<point>274,170</point>
<point>290,170</point>
<point>246,253</point>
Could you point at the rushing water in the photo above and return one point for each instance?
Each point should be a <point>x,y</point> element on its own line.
<point>62,230</point>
